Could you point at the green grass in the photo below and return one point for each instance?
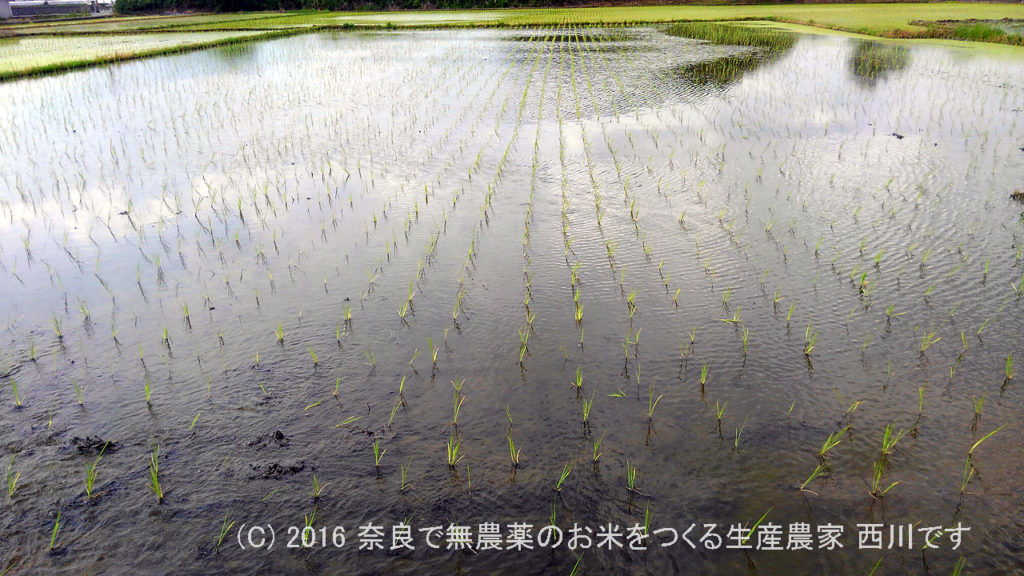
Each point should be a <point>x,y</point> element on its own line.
<point>872,19</point>
<point>732,35</point>
<point>891,19</point>
<point>37,55</point>
<point>53,47</point>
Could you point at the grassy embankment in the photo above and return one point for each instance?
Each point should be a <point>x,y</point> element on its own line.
<point>88,43</point>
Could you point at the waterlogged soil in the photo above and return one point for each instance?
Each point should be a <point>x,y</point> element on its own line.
<point>255,264</point>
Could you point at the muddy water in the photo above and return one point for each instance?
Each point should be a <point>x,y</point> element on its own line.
<point>701,206</point>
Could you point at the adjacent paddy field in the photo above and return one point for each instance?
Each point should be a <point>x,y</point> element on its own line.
<point>643,277</point>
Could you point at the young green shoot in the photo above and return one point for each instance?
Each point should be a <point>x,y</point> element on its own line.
<point>318,488</point>
<point>90,472</point>
<point>53,533</point>
<point>513,452</point>
<point>453,447</point>
<point>405,473</point>
<point>978,404</point>
<point>566,470</point>
<point>588,405</point>
<point>154,474</point>
<point>877,491</point>
<point>754,527</point>
<point>378,454</point>
<point>12,478</point>
<point>817,472</point>
<point>652,402</point>
<point>810,339</point>
<point>889,439</point>
<point>831,442</point>
<point>739,433</point>
<point>14,389</point>
<point>225,528</point>
<point>597,447</point>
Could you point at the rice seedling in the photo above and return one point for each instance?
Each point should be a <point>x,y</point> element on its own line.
<point>889,439</point>
<point>877,491</point>
<point>90,472</point>
<point>719,412</point>
<point>576,567</point>
<point>735,316</point>
<point>154,475</point>
<point>280,334</point>
<point>79,393</point>
<point>588,405</point>
<point>225,528</point>
<point>704,375</point>
<point>347,421</point>
<point>831,442</point>
<point>318,488</point>
<point>312,354</point>
<point>308,533</point>
<point>630,477</point>
<point>147,390</point>
<point>968,473</point>
<point>14,390</point>
<point>754,527</point>
<point>978,404</point>
<point>810,339</point>
<point>457,400</point>
<point>816,473</point>
<point>578,382</point>
<point>404,485</point>
<point>378,454</point>
<point>452,448</point>
<point>652,402</point>
<point>566,470</point>
<point>54,544</point>
<point>738,435</point>
<point>12,478</point>
<point>596,454</point>
<point>433,351</point>
<point>513,452</point>
<point>1009,367</point>
<point>982,327</point>
<point>524,337</point>
<point>928,339</point>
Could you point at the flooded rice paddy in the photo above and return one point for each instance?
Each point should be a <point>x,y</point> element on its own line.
<point>573,276</point>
